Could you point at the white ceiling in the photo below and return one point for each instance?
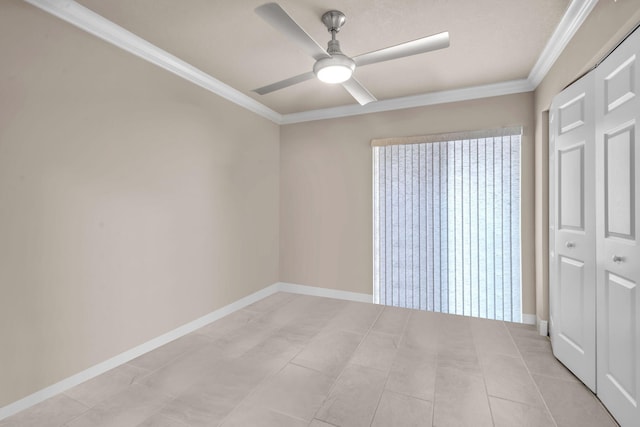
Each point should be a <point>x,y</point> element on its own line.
<point>492,41</point>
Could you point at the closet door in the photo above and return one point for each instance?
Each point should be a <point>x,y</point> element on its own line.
<point>618,271</point>
<point>573,264</point>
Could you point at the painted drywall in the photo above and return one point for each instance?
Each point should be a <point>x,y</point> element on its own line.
<point>326,188</point>
<point>131,201</point>
<point>605,27</point>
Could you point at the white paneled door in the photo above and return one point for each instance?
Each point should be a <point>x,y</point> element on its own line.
<point>572,219</point>
<point>618,253</point>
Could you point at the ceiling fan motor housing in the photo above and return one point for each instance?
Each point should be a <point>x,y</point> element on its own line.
<point>333,48</point>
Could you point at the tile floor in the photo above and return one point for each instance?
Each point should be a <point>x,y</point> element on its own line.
<point>293,360</point>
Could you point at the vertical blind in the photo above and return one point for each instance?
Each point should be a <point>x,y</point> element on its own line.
<point>447,223</point>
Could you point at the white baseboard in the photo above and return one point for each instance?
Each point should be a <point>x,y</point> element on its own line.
<point>543,327</point>
<point>323,292</point>
<point>529,319</point>
<point>131,354</point>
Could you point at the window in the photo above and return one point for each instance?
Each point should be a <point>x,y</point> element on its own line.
<point>447,223</point>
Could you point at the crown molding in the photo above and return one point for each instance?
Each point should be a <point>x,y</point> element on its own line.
<point>93,23</point>
<point>433,98</point>
<point>573,18</point>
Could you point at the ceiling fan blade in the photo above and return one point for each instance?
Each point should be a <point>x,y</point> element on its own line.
<point>422,45</point>
<point>281,21</point>
<point>359,92</point>
<point>285,83</point>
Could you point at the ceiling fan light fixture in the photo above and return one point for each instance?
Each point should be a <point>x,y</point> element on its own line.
<point>335,69</point>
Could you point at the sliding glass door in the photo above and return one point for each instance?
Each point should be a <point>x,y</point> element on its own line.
<point>447,223</point>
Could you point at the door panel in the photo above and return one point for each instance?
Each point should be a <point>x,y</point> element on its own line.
<point>571,297</point>
<point>618,185</point>
<point>571,114</point>
<point>618,257</point>
<point>571,179</point>
<point>619,85</point>
<point>620,325</point>
<point>572,210</point>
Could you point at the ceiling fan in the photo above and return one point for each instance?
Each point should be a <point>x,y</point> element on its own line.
<point>333,66</point>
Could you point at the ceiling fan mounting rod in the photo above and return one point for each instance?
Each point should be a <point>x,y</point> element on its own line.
<point>333,20</point>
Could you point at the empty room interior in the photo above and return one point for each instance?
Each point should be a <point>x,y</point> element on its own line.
<point>310,213</point>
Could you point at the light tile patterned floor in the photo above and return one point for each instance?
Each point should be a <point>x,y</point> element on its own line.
<point>293,360</point>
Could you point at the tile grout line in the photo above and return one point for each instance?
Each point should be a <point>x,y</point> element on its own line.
<point>211,340</point>
<point>553,418</point>
<point>484,380</point>
<point>435,377</point>
<point>384,386</point>
<point>66,423</point>
<point>364,336</point>
<point>150,372</point>
<point>273,374</point>
<point>165,415</point>
<point>267,377</point>
<point>410,395</point>
<point>138,380</point>
<point>250,394</point>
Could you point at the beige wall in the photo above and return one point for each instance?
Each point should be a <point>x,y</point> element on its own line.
<point>605,27</point>
<point>131,201</point>
<point>326,194</point>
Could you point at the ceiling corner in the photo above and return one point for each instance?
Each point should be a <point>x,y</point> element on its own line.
<point>573,18</point>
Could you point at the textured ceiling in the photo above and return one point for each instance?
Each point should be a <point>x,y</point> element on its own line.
<point>491,41</point>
